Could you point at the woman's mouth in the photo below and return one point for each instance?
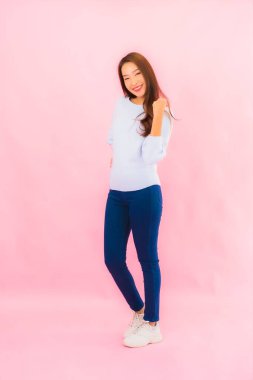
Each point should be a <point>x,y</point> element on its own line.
<point>137,88</point>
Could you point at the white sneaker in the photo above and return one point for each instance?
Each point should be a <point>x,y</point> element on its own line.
<point>143,335</point>
<point>135,322</point>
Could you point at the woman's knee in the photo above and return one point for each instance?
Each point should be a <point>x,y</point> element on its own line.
<point>114,264</point>
<point>150,264</point>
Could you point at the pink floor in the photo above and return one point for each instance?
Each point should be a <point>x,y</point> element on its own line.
<point>65,337</point>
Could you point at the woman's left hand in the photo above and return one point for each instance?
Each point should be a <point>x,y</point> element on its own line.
<point>159,106</point>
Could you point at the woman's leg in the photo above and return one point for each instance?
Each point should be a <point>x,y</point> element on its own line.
<point>145,215</point>
<point>116,234</point>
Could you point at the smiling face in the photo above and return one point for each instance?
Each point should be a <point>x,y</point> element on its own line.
<point>134,80</point>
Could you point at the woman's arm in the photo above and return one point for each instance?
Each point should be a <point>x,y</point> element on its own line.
<point>154,146</point>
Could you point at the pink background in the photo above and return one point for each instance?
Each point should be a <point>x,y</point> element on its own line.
<point>58,85</point>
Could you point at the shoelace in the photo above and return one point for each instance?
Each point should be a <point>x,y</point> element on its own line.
<point>143,325</point>
<point>135,320</point>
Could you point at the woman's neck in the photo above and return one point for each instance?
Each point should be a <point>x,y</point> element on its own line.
<point>139,102</point>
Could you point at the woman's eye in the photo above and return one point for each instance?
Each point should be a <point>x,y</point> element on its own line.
<point>135,75</point>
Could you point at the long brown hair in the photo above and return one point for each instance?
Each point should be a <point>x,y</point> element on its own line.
<point>153,90</point>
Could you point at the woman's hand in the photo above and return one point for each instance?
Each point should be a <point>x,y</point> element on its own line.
<point>159,106</point>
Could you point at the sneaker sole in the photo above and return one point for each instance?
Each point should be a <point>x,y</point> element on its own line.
<point>155,340</point>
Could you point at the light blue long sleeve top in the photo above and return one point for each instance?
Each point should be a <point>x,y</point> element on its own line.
<point>135,157</point>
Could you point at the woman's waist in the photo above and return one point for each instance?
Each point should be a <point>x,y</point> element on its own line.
<point>130,171</point>
<point>132,164</point>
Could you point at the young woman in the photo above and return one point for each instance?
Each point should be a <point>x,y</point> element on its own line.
<point>135,200</point>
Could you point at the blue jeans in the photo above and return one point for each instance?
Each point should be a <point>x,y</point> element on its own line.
<point>139,211</point>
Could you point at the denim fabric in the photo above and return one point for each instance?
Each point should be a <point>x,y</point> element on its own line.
<point>138,211</point>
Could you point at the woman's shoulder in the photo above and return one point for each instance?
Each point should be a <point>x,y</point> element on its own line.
<point>121,99</point>
<point>120,102</point>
